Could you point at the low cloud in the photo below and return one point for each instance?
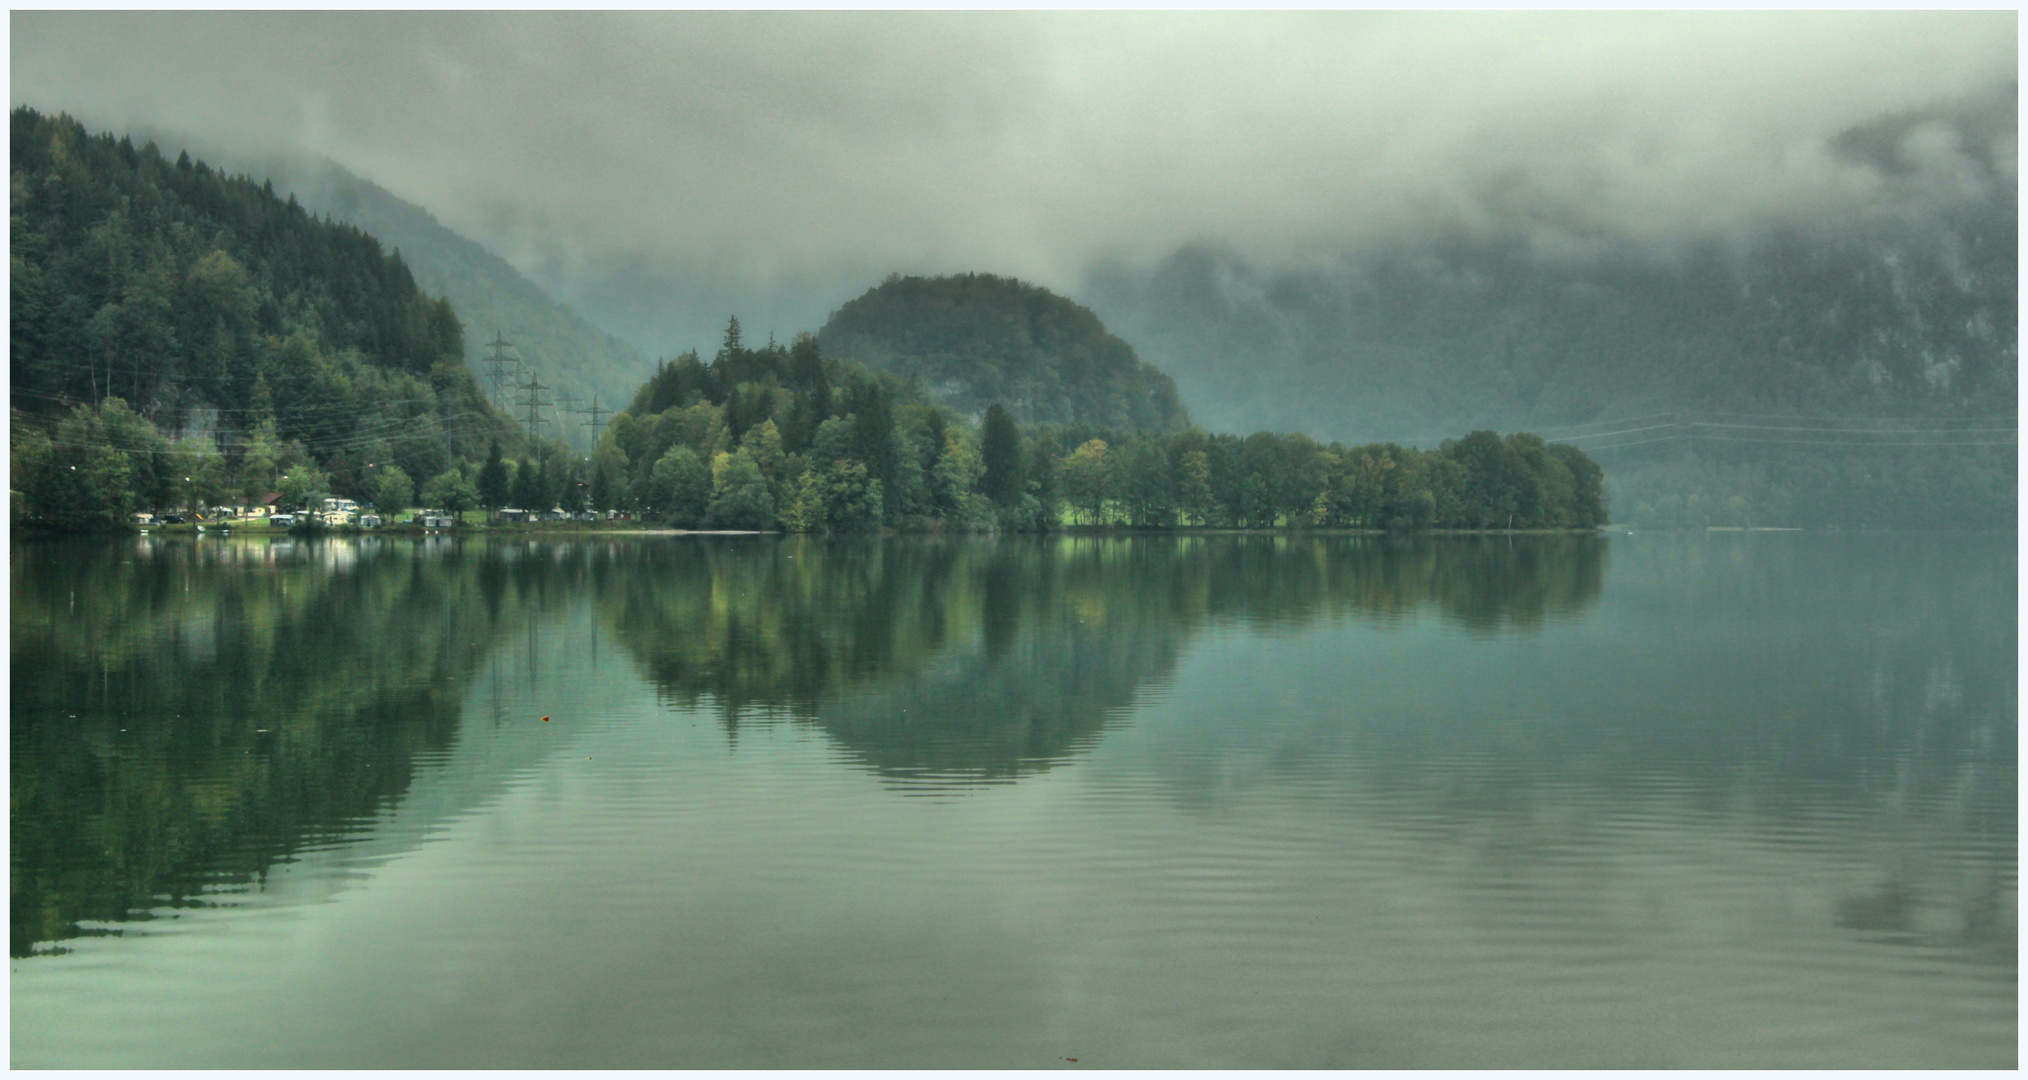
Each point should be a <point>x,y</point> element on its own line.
<point>804,155</point>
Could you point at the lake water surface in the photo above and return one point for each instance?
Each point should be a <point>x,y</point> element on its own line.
<point>1717,800</point>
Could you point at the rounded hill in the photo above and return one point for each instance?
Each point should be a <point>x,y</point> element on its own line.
<point>977,339</point>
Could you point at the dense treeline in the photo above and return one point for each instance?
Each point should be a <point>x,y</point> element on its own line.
<point>782,437</point>
<point>170,321</point>
<point>977,339</point>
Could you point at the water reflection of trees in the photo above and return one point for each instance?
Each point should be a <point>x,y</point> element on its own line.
<point>187,714</point>
<point>992,658</point>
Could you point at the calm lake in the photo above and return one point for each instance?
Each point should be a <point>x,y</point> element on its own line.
<point>1722,800</point>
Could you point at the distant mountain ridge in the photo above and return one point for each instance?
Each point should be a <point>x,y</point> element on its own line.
<point>1697,372</point>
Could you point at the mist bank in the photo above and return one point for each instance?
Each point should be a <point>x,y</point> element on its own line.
<point>1774,356</point>
<point>790,152</point>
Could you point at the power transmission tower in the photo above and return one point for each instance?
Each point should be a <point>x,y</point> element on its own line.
<point>595,412</point>
<point>567,414</point>
<point>497,364</point>
<point>533,402</point>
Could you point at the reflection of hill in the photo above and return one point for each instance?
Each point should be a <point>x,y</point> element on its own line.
<point>187,714</point>
<point>994,658</point>
<point>1066,634</point>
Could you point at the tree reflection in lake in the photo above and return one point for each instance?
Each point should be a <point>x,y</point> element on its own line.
<point>960,660</point>
<point>188,713</point>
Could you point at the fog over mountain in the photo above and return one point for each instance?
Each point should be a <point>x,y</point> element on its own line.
<point>661,169</point>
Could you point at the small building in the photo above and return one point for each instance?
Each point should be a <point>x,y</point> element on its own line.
<point>144,518</point>
<point>437,519</point>
<point>509,513</point>
<point>281,521</point>
<point>369,520</point>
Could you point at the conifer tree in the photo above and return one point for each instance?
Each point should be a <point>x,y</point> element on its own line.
<point>1002,452</point>
<point>493,492</point>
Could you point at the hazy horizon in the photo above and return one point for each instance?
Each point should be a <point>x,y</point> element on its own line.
<point>660,169</point>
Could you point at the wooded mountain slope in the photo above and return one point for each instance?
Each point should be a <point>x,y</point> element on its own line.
<point>213,308</point>
<point>573,358</point>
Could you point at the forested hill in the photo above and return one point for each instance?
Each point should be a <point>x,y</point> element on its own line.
<point>1801,373</point>
<point>787,438</point>
<point>205,305</point>
<point>977,339</point>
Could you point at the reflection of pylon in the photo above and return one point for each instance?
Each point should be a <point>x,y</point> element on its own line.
<point>533,402</point>
<point>498,363</point>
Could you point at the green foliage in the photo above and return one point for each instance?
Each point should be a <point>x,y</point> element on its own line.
<point>1088,480</point>
<point>1001,481</point>
<point>494,488</point>
<point>451,490</point>
<point>531,486</point>
<point>84,474</point>
<point>680,487</point>
<point>221,313</point>
<point>739,493</point>
<point>394,491</point>
<point>976,340</point>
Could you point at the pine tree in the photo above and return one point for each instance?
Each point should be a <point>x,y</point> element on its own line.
<point>493,493</point>
<point>1002,452</point>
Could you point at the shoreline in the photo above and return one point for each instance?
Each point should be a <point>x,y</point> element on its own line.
<point>641,529</point>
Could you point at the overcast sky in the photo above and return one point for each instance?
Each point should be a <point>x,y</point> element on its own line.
<point>772,150</point>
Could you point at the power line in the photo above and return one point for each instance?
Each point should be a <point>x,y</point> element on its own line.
<point>498,363</point>
<point>534,403</point>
